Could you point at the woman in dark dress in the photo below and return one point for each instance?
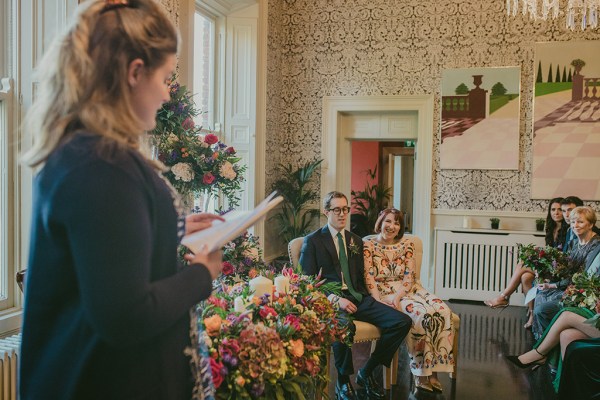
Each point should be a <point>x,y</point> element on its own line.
<point>107,304</point>
<point>556,230</point>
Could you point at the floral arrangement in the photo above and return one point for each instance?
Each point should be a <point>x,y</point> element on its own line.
<point>242,260</point>
<point>276,347</point>
<point>595,320</point>
<point>550,264</point>
<point>583,292</point>
<point>197,163</point>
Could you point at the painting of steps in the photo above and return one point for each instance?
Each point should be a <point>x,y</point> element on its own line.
<point>566,121</point>
<point>480,118</point>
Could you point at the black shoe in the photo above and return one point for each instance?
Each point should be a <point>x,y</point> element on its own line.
<point>344,391</point>
<point>374,391</point>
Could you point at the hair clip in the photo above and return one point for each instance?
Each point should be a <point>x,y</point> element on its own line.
<point>114,4</point>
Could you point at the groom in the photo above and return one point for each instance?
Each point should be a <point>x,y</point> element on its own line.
<point>338,255</point>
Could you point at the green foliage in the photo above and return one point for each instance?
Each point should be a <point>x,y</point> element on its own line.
<point>295,216</point>
<point>548,88</point>
<point>461,89</point>
<point>578,64</point>
<point>370,201</point>
<point>538,76</point>
<point>495,220</point>
<point>498,89</point>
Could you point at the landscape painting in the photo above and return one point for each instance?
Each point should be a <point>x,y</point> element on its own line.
<point>566,121</point>
<point>480,118</point>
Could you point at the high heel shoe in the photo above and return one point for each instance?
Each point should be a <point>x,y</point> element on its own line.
<point>501,304</point>
<point>423,385</point>
<point>535,363</point>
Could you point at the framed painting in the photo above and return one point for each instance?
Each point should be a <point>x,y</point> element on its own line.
<point>480,118</point>
<point>566,121</point>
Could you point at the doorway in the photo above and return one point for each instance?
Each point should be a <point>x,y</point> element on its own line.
<point>396,117</point>
<point>390,165</point>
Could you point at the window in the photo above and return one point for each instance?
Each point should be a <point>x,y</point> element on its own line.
<point>204,72</point>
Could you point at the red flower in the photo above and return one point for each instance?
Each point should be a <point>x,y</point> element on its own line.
<point>266,311</point>
<point>216,368</point>
<point>230,150</point>
<point>208,178</point>
<point>227,268</point>
<point>188,123</point>
<point>211,138</point>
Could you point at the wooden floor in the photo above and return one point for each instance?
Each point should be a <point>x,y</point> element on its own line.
<point>486,335</point>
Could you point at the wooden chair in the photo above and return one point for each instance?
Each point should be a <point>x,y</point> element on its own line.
<point>365,332</point>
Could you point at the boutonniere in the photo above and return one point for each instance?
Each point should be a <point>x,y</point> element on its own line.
<point>353,248</point>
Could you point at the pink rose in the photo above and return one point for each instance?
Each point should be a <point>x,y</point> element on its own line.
<point>211,138</point>
<point>208,178</point>
<point>216,368</point>
<point>188,123</point>
<point>227,268</point>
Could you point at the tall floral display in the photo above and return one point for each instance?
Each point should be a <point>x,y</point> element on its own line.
<point>198,162</point>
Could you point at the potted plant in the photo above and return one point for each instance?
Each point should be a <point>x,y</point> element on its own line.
<point>495,222</point>
<point>367,204</point>
<point>295,217</point>
<point>539,224</point>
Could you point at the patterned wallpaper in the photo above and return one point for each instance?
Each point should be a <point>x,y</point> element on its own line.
<point>322,48</point>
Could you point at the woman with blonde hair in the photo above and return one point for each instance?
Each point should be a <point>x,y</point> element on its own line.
<point>106,301</point>
<point>391,279</point>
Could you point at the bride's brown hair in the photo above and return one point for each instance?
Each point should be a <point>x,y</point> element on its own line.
<point>398,217</point>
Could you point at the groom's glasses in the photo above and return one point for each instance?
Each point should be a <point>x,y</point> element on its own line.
<point>339,210</point>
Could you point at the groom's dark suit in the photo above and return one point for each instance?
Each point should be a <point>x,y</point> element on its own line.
<point>319,254</point>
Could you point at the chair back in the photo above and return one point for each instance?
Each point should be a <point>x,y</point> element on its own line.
<point>418,251</point>
<point>294,248</point>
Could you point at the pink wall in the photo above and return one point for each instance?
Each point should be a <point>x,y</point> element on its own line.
<point>365,155</point>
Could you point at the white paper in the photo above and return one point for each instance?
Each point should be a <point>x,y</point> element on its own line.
<point>531,294</point>
<point>235,224</point>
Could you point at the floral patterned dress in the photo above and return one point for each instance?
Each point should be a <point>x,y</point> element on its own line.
<point>389,271</point>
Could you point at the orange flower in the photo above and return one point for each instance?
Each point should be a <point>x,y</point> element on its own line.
<point>297,347</point>
<point>213,325</point>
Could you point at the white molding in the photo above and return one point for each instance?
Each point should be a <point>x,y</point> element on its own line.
<point>336,151</point>
<point>489,213</point>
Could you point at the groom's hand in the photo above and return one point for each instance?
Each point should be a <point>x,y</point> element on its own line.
<point>347,305</point>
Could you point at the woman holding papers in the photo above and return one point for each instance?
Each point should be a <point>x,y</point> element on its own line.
<point>556,229</point>
<point>106,302</point>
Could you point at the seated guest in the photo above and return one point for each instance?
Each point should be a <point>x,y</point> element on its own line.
<point>567,205</point>
<point>556,229</point>
<point>337,255</point>
<point>582,250</point>
<point>580,377</point>
<point>570,323</point>
<point>390,277</point>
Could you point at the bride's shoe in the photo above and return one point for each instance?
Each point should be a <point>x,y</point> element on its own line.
<point>422,382</point>
<point>535,363</point>
<point>495,303</point>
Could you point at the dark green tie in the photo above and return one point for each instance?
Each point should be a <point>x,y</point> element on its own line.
<point>346,269</point>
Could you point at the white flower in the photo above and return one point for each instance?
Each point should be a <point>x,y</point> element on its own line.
<point>227,171</point>
<point>183,172</point>
<point>172,138</point>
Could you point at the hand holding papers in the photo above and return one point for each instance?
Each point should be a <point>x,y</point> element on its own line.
<point>235,224</point>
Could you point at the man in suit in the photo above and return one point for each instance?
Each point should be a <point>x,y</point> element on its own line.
<point>338,255</point>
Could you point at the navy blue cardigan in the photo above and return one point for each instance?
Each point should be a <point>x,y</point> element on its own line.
<point>106,303</point>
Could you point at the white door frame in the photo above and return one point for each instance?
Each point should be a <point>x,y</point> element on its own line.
<point>337,154</point>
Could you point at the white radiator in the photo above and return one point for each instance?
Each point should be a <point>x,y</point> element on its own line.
<point>476,264</point>
<point>9,366</point>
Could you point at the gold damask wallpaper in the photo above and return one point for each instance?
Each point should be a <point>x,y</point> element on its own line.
<point>322,48</point>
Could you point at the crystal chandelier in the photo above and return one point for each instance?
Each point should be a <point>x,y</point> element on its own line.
<point>586,11</point>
